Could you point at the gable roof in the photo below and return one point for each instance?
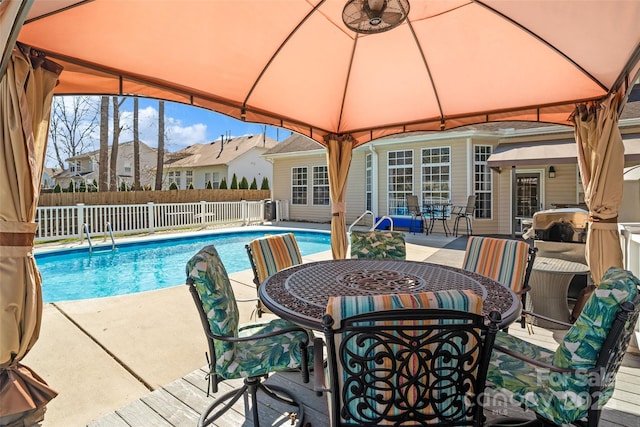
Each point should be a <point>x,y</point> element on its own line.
<point>96,153</point>
<point>295,142</point>
<point>217,153</point>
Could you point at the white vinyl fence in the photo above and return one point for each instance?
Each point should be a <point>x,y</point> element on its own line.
<point>65,222</point>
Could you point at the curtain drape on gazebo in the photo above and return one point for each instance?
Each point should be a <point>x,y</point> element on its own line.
<point>339,151</point>
<point>26,92</point>
<point>601,162</point>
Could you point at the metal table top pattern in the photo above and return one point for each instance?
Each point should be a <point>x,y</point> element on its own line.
<point>300,293</point>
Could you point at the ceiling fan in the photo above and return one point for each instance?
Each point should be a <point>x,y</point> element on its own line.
<point>374,16</point>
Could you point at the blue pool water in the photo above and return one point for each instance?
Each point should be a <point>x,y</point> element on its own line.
<point>143,266</point>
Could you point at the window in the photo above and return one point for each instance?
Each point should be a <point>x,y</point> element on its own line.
<point>400,184</point>
<point>436,174</point>
<point>127,168</point>
<point>368,182</point>
<point>178,180</point>
<point>320,189</point>
<point>189,178</point>
<point>75,166</point>
<point>299,186</point>
<point>213,178</point>
<point>174,177</point>
<point>482,181</point>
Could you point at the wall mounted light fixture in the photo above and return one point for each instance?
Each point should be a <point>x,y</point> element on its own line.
<point>552,172</point>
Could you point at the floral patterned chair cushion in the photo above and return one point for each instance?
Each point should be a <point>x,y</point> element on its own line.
<point>378,244</point>
<point>240,359</point>
<point>561,397</point>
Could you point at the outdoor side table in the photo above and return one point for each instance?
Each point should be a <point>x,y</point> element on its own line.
<point>550,279</point>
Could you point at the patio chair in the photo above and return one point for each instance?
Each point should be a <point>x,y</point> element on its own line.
<point>405,359</point>
<point>414,209</point>
<point>270,254</point>
<point>465,212</point>
<point>379,244</point>
<point>251,351</point>
<point>506,261</point>
<point>572,384</point>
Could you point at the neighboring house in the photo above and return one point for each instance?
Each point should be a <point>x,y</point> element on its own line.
<point>485,160</point>
<point>210,162</point>
<point>86,167</point>
<point>48,180</point>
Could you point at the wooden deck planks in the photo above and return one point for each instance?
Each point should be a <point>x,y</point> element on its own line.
<point>180,402</point>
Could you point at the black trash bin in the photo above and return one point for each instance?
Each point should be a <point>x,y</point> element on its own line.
<point>269,210</point>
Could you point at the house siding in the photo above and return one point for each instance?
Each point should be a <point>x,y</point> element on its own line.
<point>561,190</point>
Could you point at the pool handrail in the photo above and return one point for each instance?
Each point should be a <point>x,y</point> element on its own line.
<point>86,233</point>
<point>107,228</point>
<point>373,217</point>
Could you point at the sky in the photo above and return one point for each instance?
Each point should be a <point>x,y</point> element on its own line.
<point>184,126</point>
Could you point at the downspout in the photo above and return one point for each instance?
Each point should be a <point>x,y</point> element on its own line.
<point>470,171</point>
<point>374,180</point>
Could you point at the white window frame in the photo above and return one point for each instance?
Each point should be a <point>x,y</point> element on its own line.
<point>399,185</point>
<point>320,186</point>
<point>368,182</point>
<point>427,175</point>
<point>483,189</point>
<point>301,186</point>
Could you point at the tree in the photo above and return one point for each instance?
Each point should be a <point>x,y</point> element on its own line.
<point>254,184</point>
<point>265,184</point>
<point>244,184</point>
<point>209,185</point>
<point>71,188</point>
<point>190,187</point>
<point>234,182</point>
<point>160,163</point>
<point>173,186</point>
<point>136,146</point>
<point>57,189</point>
<point>73,121</point>
<point>113,161</point>
<point>223,184</point>
<point>82,188</point>
<point>104,145</point>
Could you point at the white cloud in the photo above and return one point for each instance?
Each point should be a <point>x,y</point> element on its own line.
<point>177,135</point>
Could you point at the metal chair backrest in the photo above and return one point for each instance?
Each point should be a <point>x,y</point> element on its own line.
<point>471,205</point>
<point>413,206</point>
<point>413,365</point>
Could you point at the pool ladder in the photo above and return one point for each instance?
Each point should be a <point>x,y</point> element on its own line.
<point>107,228</point>
<point>86,233</point>
<point>373,219</point>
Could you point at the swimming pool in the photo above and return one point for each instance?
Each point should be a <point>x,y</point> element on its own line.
<point>75,274</point>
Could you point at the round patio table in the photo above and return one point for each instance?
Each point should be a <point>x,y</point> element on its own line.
<point>300,293</point>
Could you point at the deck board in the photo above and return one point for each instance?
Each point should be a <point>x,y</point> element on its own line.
<point>180,402</point>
